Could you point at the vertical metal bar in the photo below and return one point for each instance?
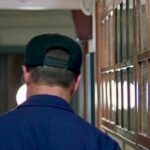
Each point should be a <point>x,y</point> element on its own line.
<point>148,96</point>
<point>139,97</point>
<point>117,106</point>
<point>122,100</point>
<point>115,60</point>
<point>121,33</point>
<point>128,25</point>
<point>148,23</point>
<point>129,100</point>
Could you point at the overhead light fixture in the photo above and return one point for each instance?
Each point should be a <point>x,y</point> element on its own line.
<point>86,6</point>
<point>23,1</point>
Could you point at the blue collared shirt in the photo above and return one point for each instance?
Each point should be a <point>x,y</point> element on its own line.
<point>46,122</point>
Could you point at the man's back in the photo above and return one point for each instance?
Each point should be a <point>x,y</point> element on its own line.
<point>47,122</point>
<point>52,66</point>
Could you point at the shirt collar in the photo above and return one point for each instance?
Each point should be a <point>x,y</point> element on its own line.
<point>46,101</point>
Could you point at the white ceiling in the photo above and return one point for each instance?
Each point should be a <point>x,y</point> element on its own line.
<point>84,5</point>
<point>17,27</point>
<point>39,4</point>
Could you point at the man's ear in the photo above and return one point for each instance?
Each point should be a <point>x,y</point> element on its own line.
<point>76,85</point>
<point>26,74</point>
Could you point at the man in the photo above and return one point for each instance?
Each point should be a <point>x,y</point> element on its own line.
<point>45,121</point>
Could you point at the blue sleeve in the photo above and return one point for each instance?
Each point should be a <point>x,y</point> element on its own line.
<point>107,143</point>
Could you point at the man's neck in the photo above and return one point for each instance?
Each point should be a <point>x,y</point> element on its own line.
<point>53,90</point>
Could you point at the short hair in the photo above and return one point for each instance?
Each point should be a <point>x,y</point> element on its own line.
<point>51,76</point>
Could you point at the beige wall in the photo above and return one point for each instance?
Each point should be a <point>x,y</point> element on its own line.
<point>17,27</point>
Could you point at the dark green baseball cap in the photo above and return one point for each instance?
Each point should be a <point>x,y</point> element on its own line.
<point>39,45</point>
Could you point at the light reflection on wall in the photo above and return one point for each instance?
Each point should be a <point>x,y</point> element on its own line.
<point>21,94</point>
<point>119,95</point>
<point>132,95</point>
<point>113,86</point>
<point>104,98</point>
<point>108,94</point>
<point>125,95</point>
